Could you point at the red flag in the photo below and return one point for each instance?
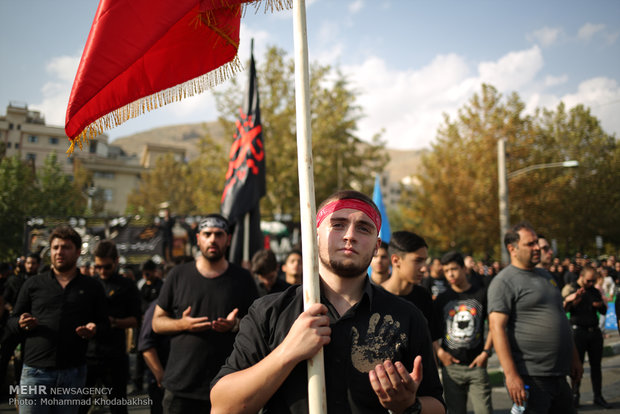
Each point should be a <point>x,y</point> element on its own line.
<point>142,54</point>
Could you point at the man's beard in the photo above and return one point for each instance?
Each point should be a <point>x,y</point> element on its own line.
<point>346,271</point>
<point>213,256</point>
<point>65,267</point>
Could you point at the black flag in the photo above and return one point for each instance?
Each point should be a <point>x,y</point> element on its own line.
<point>245,178</point>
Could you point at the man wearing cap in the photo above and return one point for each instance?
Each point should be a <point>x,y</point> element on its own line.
<point>378,353</point>
<point>199,306</point>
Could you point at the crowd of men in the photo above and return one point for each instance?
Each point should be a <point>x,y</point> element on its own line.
<point>220,338</point>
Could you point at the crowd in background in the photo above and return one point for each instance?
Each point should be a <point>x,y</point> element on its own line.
<point>269,276</point>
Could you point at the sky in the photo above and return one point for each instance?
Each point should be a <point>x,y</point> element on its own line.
<point>410,61</point>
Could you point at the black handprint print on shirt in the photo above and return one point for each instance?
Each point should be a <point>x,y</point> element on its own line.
<point>382,341</point>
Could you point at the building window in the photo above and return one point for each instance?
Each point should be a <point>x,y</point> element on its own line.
<point>108,194</point>
<point>8,144</point>
<point>104,174</point>
<point>11,126</point>
<point>53,140</point>
<point>93,147</point>
<point>16,145</point>
<point>31,157</point>
<point>33,139</point>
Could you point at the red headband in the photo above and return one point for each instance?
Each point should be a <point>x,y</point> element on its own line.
<point>349,203</point>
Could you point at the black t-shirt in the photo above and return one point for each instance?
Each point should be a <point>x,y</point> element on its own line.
<point>195,357</point>
<point>584,314</point>
<point>12,286</point>
<point>149,339</point>
<point>423,300</point>
<point>123,301</point>
<point>278,286</point>
<point>379,327</point>
<point>570,277</point>
<point>53,343</point>
<point>460,320</point>
<point>150,292</point>
<point>435,286</point>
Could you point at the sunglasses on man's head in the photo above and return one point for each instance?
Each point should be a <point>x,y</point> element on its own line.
<point>108,266</point>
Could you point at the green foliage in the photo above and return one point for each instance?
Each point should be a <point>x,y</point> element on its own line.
<point>24,193</point>
<point>57,195</point>
<point>582,201</point>
<point>456,205</point>
<point>340,158</point>
<point>189,188</point>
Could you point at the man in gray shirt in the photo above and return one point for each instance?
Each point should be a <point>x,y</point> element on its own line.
<point>531,334</point>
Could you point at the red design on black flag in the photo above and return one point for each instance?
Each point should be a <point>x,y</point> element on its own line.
<point>245,178</point>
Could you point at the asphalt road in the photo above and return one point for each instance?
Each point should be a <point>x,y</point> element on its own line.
<point>611,390</point>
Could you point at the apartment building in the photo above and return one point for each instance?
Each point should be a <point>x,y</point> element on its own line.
<point>23,132</point>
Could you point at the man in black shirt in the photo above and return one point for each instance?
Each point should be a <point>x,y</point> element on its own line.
<point>107,359</point>
<point>151,287</point>
<point>199,306</point>
<point>265,271</point>
<point>15,282</point>
<point>408,253</point>
<point>58,311</point>
<point>583,301</point>
<point>371,339</point>
<point>436,283</point>
<point>380,265</point>
<point>155,349</point>
<point>10,341</point>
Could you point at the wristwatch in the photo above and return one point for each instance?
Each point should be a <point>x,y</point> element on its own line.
<point>415,408</point>
<point>488,351</point>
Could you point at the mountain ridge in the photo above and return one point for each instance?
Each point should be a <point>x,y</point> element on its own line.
<point>403,163</point>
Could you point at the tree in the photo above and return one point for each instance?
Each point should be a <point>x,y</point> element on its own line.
<point>189,188</point>
<point>17,181</point>
<point>456,205</point>
<point>59,194</point>
<point>583,201</point>
<point>341,159</point>
<point>208,172</point>
<point>168,182</point>
<point>24,193</point>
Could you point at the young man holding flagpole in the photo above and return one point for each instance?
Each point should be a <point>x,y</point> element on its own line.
<point>378,353</point>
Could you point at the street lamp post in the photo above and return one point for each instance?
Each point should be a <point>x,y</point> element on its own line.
<point>502,196</point>
<point>565,164</point>
<point>503,176</point>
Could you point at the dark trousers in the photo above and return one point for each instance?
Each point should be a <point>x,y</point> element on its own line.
<point>174,404</point>
<point>590,341</point>
<point>113,373</point>
<point>7,349</point>
<point>156,394</point>
<point>549,395</point>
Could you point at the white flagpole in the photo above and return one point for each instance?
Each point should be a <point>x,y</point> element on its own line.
<point>316,371</point>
